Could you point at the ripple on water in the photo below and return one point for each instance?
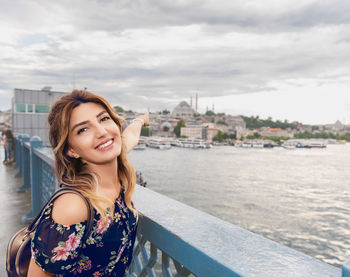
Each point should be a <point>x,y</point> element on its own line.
<point>298,198</point>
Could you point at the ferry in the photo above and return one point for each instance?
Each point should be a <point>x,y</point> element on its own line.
<point>302,143</point>
<point>256,143</point>
<point>317,145</point>
<point>141,144</point>
<point>191,143</point>
<point>158,144</point>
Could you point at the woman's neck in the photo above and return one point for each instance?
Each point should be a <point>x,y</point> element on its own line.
<point>108,179</point>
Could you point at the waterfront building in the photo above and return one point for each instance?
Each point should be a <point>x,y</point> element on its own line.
<point>211,132</point>
<point>30,109</point>
<point>243,132</point>
<point>194,132</point>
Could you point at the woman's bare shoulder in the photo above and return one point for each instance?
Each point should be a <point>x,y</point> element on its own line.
<point>69,209</point>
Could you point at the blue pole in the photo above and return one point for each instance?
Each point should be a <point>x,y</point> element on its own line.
<point>35,142</point>
<point>16,152</point>
<point>345,270</point>
<point>25,154</point>
<point>19,155</point>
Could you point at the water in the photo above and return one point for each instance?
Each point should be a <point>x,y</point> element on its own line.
<point>299,198</point>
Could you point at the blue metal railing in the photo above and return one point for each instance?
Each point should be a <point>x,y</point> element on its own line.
<point>174,239</point>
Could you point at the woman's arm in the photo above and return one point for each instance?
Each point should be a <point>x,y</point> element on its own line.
<point>131,134</point>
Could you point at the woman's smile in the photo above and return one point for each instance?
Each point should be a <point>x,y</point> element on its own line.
<point>105,145</point>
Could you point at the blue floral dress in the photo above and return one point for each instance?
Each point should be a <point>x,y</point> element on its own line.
<point>107,251</point>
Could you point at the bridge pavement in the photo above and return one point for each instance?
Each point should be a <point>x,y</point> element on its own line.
<point>13,205</point>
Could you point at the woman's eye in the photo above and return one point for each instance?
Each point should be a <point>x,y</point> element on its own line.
<point>81,130</point>
<point>105,118</point>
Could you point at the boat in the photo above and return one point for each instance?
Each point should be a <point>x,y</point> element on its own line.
<point>140,146</point>
<point>302,145</point>
<point>288,146</point>
<point>257,144</point>
<point>269,145</point>
<point>191,143</point>
<point>317,145</point>
<point>158,144</point>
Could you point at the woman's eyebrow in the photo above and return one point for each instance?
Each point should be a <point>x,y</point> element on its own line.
<point>100,113</point>
<point>78,124</point>
<point>86,121</point>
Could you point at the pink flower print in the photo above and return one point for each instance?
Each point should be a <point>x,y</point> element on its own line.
<point>61,253</point>
<point>101,227</point>
<point>73,242</point>
<point>97,274</point>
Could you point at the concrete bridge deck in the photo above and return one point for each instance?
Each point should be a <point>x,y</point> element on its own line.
<point>13,205</point>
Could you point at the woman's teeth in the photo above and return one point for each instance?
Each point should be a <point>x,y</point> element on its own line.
<point>108,143</point>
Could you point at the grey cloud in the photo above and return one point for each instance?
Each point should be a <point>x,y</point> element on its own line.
<point>210,71</point>
<point>120,15</point>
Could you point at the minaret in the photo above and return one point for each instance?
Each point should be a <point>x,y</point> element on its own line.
<point>196,102</point>
<point>191,101</point>
<point>213,108</point>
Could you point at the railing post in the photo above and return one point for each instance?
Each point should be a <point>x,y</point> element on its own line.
<point>25,165</point>
<point>35,142</point>
<point>18,152</point>
<point>345,270</point>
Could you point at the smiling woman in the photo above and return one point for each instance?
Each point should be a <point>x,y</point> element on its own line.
<point>91,157</point>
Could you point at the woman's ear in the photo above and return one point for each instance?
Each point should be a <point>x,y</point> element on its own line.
<point>72,154</point>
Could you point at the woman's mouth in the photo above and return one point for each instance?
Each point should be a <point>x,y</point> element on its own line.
<point>105,145</point>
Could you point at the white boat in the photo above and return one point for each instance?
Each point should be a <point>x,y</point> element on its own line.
<point>191,143</point>
<point>257,145</point>
<point>246,145</point>
<point>140,146</point>
<point>158,144</point>
<point>288,146</point>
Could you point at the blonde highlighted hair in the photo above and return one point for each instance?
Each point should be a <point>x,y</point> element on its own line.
<point>73,172</point>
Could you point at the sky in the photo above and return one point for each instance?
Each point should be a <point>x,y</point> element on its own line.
<point>288,59</point>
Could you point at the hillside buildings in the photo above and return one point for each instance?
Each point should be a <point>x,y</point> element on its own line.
<point>5,119</point>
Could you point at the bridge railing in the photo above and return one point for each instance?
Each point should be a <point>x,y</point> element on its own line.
<point>174,239</point>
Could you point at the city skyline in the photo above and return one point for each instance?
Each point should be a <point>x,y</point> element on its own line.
<point>285,60</point>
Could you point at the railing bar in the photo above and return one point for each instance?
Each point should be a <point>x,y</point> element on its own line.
<point>166,265</point>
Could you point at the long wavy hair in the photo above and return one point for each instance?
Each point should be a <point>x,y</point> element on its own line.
<point>73,172</point>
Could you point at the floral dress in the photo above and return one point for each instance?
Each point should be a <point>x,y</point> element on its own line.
<point>107,251</point>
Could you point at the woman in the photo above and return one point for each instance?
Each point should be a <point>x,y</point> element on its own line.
<point>90,153</point>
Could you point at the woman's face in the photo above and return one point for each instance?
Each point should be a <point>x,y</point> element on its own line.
<point>93,135</point>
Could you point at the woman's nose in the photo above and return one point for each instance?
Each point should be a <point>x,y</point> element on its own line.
<point>100,130</point>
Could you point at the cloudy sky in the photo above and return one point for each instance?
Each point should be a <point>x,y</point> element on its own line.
<point>288,59</point>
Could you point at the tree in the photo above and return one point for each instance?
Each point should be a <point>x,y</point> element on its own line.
<point>118,109</point>
<point>177,129</point>
<point>165,128</point>
<point>256,135</point>
<point>209,113</point>
<point>221,122</point>
<point>165,111</point>
<point>220,136</point>
<point>145,131</point>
